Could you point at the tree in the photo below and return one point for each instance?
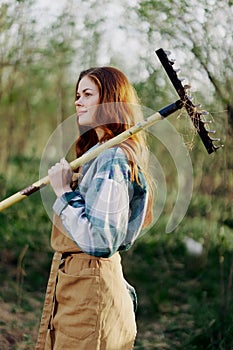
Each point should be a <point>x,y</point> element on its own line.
<point>198,31</point>
<point>17,40</point>
<point>34,75</point>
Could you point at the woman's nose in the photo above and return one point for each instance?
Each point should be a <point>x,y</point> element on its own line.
<point>78,102</point>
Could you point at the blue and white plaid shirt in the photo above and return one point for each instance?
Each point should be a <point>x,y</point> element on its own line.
<point>106,212</point>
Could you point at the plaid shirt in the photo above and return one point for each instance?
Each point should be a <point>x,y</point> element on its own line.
<point>106,212</point>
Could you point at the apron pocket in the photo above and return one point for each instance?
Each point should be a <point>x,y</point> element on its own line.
<point>77,303</point>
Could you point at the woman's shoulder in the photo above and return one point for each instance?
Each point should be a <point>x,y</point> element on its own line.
<point>115,153</point>
<point>113,161</point>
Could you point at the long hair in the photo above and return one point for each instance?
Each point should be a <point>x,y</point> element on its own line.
<point>118,110</point>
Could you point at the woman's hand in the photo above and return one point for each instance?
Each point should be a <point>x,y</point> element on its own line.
<point>60,176</point>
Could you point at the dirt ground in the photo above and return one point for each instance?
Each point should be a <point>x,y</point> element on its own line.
<point>18,327</point>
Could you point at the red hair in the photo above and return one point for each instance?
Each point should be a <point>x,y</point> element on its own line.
<point>118,110</point>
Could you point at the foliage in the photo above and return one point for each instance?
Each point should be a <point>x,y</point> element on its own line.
<point>18,240</point>
<point>185,299</point>
<point>195,28</point>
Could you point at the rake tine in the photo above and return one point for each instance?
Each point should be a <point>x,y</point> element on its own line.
<point>211,131</point>
<point>187,102</point>
<point>172,61</point>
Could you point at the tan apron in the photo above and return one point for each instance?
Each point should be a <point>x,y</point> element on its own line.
<point>87,305</point>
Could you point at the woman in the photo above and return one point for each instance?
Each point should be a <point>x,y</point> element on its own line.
<point>96,217</point>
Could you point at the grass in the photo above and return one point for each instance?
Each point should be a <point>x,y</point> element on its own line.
<point>185,301</point>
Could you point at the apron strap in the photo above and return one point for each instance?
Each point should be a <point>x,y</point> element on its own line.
<point>49,300</point>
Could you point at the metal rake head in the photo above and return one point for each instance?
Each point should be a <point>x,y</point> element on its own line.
<point>191,109</point>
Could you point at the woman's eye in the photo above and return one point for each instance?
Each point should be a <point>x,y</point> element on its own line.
<point>86,94</point>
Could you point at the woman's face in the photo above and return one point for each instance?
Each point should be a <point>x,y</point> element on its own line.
<point>87,101</point>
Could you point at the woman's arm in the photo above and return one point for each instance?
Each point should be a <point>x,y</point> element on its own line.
<point>99,223</point>
<point>60,177</point>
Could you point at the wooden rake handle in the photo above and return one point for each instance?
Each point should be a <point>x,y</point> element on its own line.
<point>36,186</point>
